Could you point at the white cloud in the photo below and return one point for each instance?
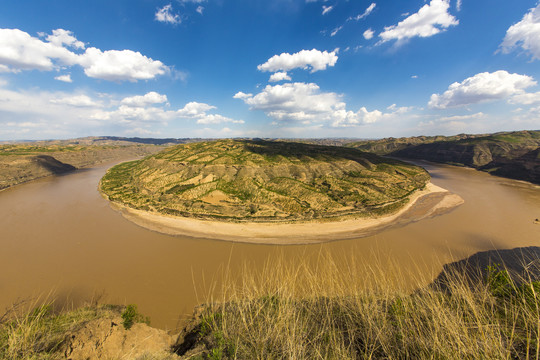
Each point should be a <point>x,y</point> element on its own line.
<point>461,118</point>
<point>525,99</point>
<point>525,34</point>
<point>165,15</point>
<point>216,119</point>
<point>304,103</point>
<point>480,88</point>
<point>399,110</point>
<point>430,20</point>
<point>194,109</point>
<point>64,78</point>
<point>124,65</point>
<point>198,111</point>
<point>76,100</point>
<point>279,76</point>
<point>139,115</point>
<point>42,114</point>
<point>414,76</point>
<point>336,30</point>
<point>148,99</point>
<point>326,9</point>
<point>200,9</point>
<point>20,51</point>
<point>241,95</point>
<point>368,34</point>
<point>368,11</point>
<point>458,5</point>
<point>62,37</point>
<point>306,59</point>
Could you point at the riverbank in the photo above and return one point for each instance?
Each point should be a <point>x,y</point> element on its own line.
<point>430,201</point>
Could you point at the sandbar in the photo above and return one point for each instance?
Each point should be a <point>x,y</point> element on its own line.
<point>430,201</point>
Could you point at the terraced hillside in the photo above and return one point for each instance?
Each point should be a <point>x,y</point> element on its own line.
<point>263,181</point>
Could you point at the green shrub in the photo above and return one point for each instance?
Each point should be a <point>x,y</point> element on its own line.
<point>131,316</point>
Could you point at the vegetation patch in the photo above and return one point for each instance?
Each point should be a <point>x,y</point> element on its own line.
<point>263,181</point>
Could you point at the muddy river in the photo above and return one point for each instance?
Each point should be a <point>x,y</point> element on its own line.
<point>60,238</point>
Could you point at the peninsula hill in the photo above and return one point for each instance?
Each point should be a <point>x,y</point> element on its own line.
<point>263,181</point>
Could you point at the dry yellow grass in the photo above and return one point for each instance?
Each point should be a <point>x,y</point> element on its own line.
<point>337,310</point>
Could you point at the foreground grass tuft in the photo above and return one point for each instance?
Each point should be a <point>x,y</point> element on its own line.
<point>31,331</point>
<point>297,312</point>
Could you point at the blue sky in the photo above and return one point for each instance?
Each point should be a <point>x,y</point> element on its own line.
<point>281,68</point>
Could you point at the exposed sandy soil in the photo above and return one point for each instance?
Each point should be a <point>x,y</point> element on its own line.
<point>106,338</point>
<point>431,201</point>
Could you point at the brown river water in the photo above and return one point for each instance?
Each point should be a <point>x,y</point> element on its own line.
<point>59,237</point>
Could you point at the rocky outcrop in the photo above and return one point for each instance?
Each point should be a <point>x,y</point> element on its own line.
<point>106,338</point>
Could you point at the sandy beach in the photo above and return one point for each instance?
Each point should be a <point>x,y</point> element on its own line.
<point>430,201</point>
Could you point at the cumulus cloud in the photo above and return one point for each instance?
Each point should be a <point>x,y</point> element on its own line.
<point>198,111</point>
<point>368,34</point>
<point>368,11</point>
<point>279,76</point>
<point>60,37</point>
<point>326,9</point>
<point>120,65</point>
<point>20,51</point>
<point>306,104</point>
<point>64,78</point>
<point>148,99</point>
<point>200,9</point>
<point>166,15</point>
<point>194,109</point>
<point>314,60</point>
<point>482,87</point>
<point>525,34</point>
<point>430,20</point>
<point>241,95</point>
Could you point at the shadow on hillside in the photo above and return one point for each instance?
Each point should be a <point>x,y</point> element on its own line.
<point>299,150</point>
<point>54,166</point>
<point>522,264</point>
